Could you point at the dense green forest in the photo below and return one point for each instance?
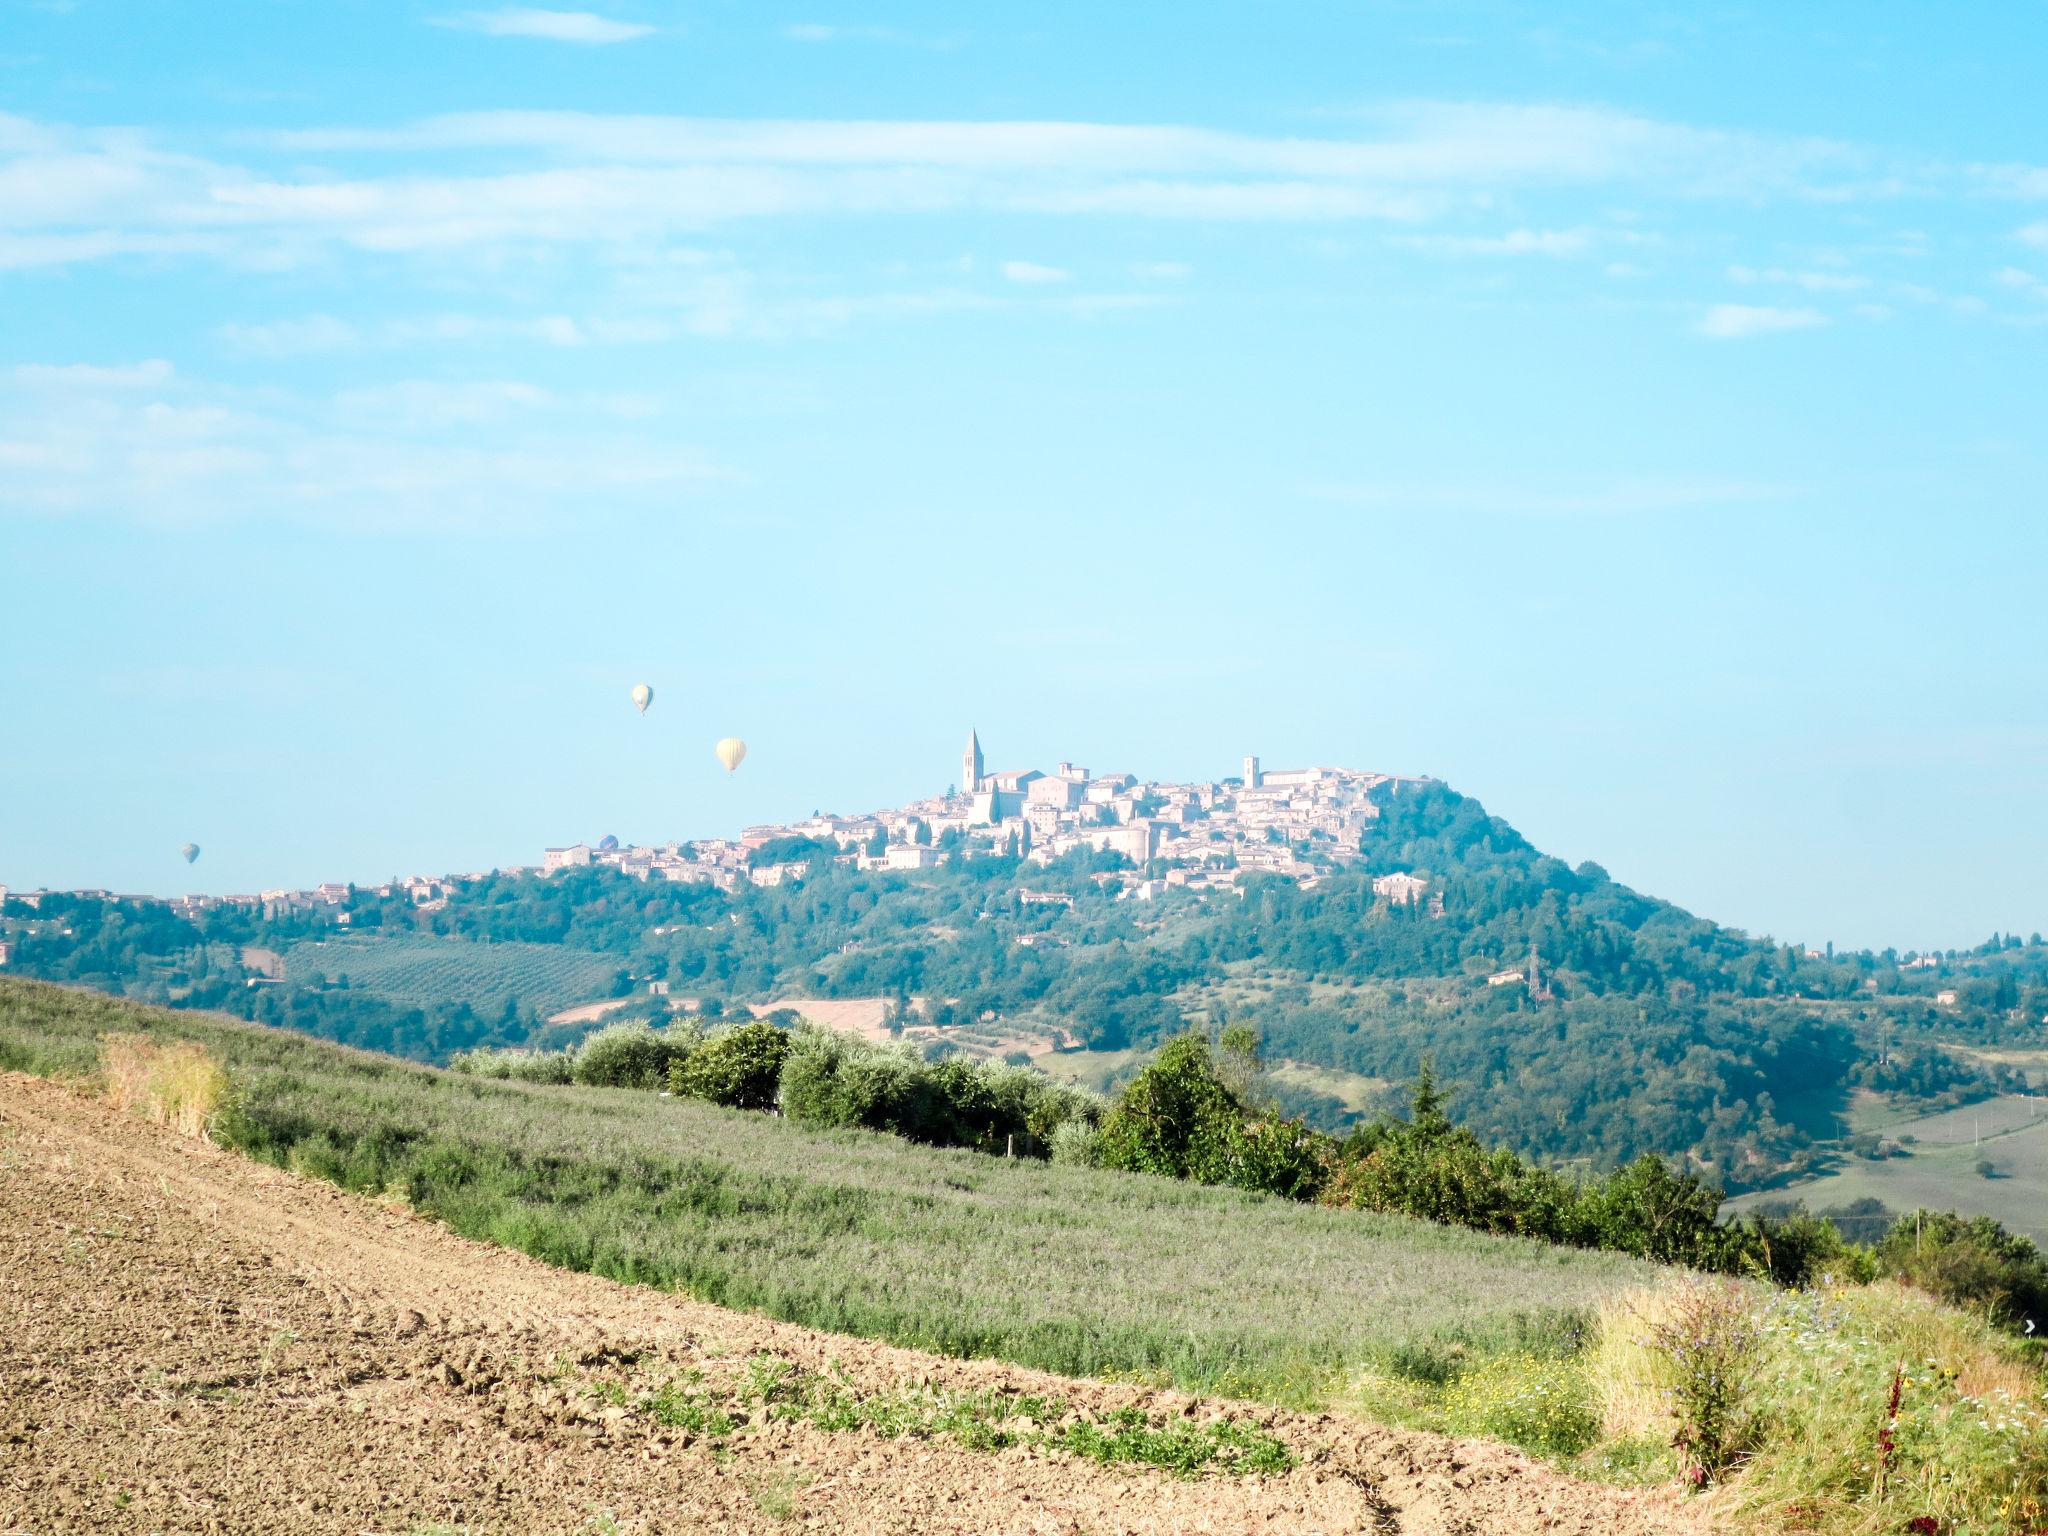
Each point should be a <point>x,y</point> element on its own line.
<point>1640,1028</point>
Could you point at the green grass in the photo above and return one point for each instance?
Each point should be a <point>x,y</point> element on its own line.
<point>1070,1269</point>
<point>1363,1096</point>
<point>996,1420</point>
<point>419,970</point>
<point>1940,1172</point>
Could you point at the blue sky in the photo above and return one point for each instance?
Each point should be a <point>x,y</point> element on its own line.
<point>1633,416</point>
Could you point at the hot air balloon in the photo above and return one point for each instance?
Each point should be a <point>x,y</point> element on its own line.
<point>732,752</point>
<point>607,843</point>
<point>642,697</point>
<point>190,851</point>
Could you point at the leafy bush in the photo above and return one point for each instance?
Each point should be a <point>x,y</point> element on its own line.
<point>1425,1166</point>
<point>738,1067</point>
<point>1077,1144</point>
<point>1969,1261</point>
<point>630,1055</point>
<point>834,1080</point>
<point>515,1064</point>
<point>1180,1118</point>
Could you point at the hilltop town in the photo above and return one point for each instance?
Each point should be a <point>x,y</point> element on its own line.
<point>1299,823</point>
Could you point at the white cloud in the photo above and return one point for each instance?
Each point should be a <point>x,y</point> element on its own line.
<point>510,179</point>
<point>148,374</point>
<point>1445,143</point>
<point>1812,282</point>
<point>555,26</point>
<point>1616,498</point>
<point>2036,234</point>
<point>411,404</point>
<point>1170,271</point>
<point>818,32</point>
<point>2023,281</point>
<point>1516,242</point>
<point>1732,322</point>
<point>1032,272</point>
<point>408,455</point>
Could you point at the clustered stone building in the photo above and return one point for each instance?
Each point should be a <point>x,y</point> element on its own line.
<point>1296,822</point>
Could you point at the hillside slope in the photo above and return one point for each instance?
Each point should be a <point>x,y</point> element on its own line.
<point>281,1354</point>
<point>1578,1019</point>
<point>1077,1270</point>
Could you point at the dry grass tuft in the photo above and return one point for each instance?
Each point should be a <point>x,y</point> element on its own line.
<point>177,1085</point>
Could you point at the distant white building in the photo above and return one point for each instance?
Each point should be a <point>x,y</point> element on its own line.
<point>554,860</point>
<point>1401,889</point>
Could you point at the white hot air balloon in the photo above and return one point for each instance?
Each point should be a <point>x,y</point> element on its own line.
<point>732,752</point>
<point>642,697</point>
<point>189,852</point>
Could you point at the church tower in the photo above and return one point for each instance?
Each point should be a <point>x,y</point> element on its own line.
<point>970,765</point>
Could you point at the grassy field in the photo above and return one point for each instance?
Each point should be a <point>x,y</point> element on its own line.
<point>1075,1270</point>
<point>1093,1070</point>
<point>1940,1172</point>
<point>418,970</point>
<point>1363,1096</point>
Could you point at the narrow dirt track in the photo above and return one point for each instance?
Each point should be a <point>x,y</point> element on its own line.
<point>193,1342</point>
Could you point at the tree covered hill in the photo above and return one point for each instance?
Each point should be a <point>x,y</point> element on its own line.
<point>1634,1026</point>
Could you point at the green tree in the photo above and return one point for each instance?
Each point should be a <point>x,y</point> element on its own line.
<point>738,1067</point>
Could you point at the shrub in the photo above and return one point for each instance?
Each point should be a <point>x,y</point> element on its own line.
<point>1709,1338</point>
<point>832,1079</point>
<point>1077,1144</point>
<point>175,1084</point>
<point>1648,1210</point>
<point>1963,1448</point>
<point>1968,1261</point>
<point>513,1063</point>
<point>630,1055</point>
<point>738,1067</point>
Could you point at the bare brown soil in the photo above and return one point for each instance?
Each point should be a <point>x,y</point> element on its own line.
<point>193,1342</point>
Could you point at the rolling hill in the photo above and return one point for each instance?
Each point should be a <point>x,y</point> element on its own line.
<point>1578,1020</point>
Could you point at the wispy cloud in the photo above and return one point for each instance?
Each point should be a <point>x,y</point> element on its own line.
<point>546,179</point>
<point>1811,281</point>
<point>1734,322</point>
<point>147,374</point>
<point>821,32</point>
<point>1614,498</point>
<point>2022,281</point>
<point>1033,272</point>
<point>556,26</point>
<point>142,441</point>
<point>1515,242</point>
<point>2036,234</point>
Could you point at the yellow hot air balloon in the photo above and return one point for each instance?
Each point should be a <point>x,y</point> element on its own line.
<point>642,697</point>
<point>732,752</point>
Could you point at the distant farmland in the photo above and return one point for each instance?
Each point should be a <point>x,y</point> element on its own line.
<point>1940,1172</point>
<point>418,971</point>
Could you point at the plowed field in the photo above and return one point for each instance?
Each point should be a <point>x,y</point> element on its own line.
<point>190,1341</point>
